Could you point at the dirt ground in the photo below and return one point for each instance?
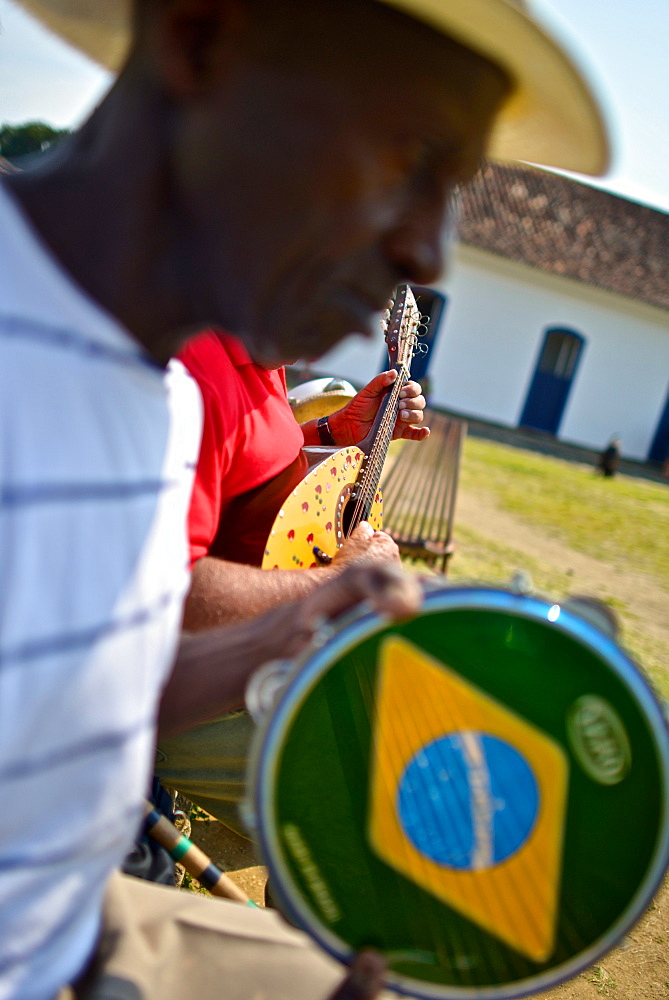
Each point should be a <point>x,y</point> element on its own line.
<point>641,594</point>
<point>639,967</point>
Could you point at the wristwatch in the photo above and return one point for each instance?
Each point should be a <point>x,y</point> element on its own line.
<point>324,432</point>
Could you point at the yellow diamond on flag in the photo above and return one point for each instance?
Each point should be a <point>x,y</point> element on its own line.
<point>467,799</point>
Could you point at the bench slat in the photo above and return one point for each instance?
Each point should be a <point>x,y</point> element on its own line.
<point>419,492</point>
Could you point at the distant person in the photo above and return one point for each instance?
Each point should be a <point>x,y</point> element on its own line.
<point>664,467</point>
<point>610,458</point>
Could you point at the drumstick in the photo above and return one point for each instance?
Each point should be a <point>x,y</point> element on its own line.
<point>194,860</point>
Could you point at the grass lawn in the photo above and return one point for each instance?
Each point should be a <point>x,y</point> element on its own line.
<point>622,521</point>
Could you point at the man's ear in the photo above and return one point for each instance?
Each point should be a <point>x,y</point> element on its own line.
<point>194,41</point>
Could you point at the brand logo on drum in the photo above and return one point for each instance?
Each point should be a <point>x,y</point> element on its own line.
<point>467,798</point>
<point>318,887</point>
<point>599,740</point>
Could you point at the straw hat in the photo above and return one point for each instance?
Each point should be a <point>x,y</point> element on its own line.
<point>552,117</point>
<point>319,397</point>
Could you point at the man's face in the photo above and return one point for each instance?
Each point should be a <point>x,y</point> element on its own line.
<point>316,174</point>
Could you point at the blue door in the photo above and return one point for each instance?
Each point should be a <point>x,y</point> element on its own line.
<point>555,371</point>
<point>659,449</point>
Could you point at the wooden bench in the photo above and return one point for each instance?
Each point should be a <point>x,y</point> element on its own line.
<point>419,490</point>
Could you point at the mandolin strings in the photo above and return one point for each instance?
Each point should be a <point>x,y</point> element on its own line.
<point>377,455</point>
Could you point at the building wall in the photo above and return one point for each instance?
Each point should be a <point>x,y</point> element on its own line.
<point>491,336</point>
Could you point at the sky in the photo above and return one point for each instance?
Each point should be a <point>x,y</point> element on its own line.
<point>621,46</point>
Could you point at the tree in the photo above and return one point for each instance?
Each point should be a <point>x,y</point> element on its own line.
<point>29,138</point>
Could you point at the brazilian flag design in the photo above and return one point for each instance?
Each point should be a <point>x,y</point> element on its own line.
<point>479,793</point>
<point>468,799</point>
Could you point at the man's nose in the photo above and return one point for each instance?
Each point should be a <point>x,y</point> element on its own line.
<point>417,245</point>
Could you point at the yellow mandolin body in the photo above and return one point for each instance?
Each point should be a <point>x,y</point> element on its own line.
<point>313,515</point>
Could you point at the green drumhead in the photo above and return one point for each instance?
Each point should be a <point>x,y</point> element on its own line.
<point>480,793</point>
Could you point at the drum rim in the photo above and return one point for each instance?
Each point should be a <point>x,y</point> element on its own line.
<point>361,625</point>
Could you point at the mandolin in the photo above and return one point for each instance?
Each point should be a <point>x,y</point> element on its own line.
<point>343,489</point>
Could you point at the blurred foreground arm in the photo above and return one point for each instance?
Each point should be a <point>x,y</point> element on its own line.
<point>224,593</point>
<point>364,981</point>
<point>212,668</point>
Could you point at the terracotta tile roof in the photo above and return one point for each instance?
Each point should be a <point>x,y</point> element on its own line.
<point>564,227</point>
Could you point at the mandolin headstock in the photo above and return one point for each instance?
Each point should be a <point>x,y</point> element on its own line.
<point>403,325</point>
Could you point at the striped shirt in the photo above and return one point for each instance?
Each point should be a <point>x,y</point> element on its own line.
<point>97,451</point>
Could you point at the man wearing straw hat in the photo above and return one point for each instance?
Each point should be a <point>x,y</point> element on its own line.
<point>274,169</point>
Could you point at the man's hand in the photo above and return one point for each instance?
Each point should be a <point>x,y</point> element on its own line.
<point>366,543</point>
<point>352,423</point>
<point>387,588</point>
<point>213,667</point>
<point>364,981</point>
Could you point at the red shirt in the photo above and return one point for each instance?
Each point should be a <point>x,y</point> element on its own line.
<point>249,436</point>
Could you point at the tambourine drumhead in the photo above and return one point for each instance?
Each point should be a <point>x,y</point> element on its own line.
<point>480,793</point>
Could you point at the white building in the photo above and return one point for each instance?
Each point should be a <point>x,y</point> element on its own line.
<point>556,315</point>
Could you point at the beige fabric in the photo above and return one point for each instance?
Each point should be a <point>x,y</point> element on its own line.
<point>208,764</point>
<point>552,118</point>
<point>162,944</point>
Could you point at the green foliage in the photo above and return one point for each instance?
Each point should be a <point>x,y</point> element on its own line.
<point>192,885</point>
<point>602,980</point>
<point>32,137</point>
<point>199,814</point>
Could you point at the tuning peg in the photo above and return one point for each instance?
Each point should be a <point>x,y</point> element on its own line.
<point>385,319</point>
